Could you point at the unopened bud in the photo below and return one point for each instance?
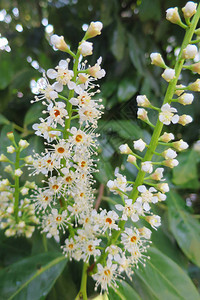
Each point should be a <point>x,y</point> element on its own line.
<point>190,52</point>
<point>131,159</point>
<point>85,48</point>
<point>142,101</point>
<point>28,159</point>
<point>59,42</point>
<point>94,29</point>
<point>23,144</point>
<point>8,169</point>
<point>142,114</point>
<point>171,163</point>
<point>157,60</point>
<point>189,9</point>
<point>195,86</point>
<point>82,78</point>
<point>185,119</point>
<point>18,172</point>
<point>10,136</point>
<point>195,67</point>
<point>154,221</point>
<point>186,99</point>
<point>124,149</point>
<point>172,15</point>
<point>3,158</point>
<point>10,149</point>
<point>168,74</point>
<point>163,187</point>
<point>166,137</point>
<point>180,145</point>
<point>179,92</point>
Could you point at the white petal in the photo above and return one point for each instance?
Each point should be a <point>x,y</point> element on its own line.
<point>51,73</point>
<point>141,188</point>
<point>57,86</point>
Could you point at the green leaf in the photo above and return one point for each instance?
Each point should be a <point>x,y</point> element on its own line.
<point>4,120</point>
<point>150,10</point>
<point>124,292</point>
<point>135,53</point>
<point>127,88</point>
<point>184,227</point>
<point>6,70</point>
<point>163,279</point>
<point>118,41</point>
<point>185,174</point>
<point>31,278</point>
<point>33,114</point>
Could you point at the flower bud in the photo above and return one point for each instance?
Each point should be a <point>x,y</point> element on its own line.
<point>154,221</point>
<point>185,119</point>
<point>166,137</point>
<point>180,145</point>
<point>168,74</point>
<point>124,149</point>
<point>157,60</point>
<point>59,42</point>
<point>3,158</point>
<point>197,31</point>
<point>18,172</point>
<point>85,48</point>
<point>142,114</point>
<point>23,144</point>
<point>163,187</point>
<point>94,29</point>
<point>169,154</point>
<point>10,149</point>
<point>24,191</point>
<point>190,52</point>
<point>30,185</point>
<point>8,169</point>
<point>195,86</point>
<point>131,159</point>
<point>28,159</point>
<point>82,78</point>
<point>195,68</point>
<point>161,197</point>
<point>139,145</point>
<point>196,146</point>
<point>158,174</point>
<point>171,163</point>
<point>172,15</point>
<point>147,167</point>
<point>186,99</point>
<point>145,232</point>
<point>189,9</point>
<point>10,136</point>
<point>142,101</point>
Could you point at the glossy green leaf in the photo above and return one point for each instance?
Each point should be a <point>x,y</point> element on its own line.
<point>126,90</point>
<point>6,69</point>
<point>185,174</point>
<point>3,120</point>
<point>31,278</point>
<point>150,10</point>
<point>124,292</point>
<point>184,227</point>
<point>135,53</point>
<point>33,113</point>
<point>163,279</point>
<point>118,41</point>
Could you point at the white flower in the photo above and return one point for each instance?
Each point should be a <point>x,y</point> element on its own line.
<point>166,137</point>
<point>189,9</point>
<point>186,99</point>
<point>59,42</point>
<point>119,184</point>
<point>171,163</point>
<point>24,191</point>
<point>158,174</point>
<point>185,119</point>
<point>147,196</point>
<point>169,154</point>
<point>142,101</point>
<point>161,197</point>
<point>157,60</point>
<point>139,145</point>
<point>172,15</point>
<point>96,70</point>
<point>105,276</point>
<point>142,114</point>
<point>145,232</point>
<point>147,167</point>
<point>18,172</point>
<point>124,149</point>
<point>62,75</point>
<point>108,220</point>
<point>10,149</point>
<point>94,29</point>
<point>57,112</point>
<point>190,52</point>
<point>130,210</point>
<point>168,74</point>
<point>180,145</point>
<point>167,115</point>
<point>114,251</point>
<point>154,221</point>
<point>23,144</point>
<point>85,48</point>
<point>163,187</point>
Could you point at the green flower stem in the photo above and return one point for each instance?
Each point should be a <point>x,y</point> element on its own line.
<point>195,41</point>
<point>16,186</point>
<point>169,95</point>
<point>71,94</point>
<point>62,97</point>
<point>82,294</point>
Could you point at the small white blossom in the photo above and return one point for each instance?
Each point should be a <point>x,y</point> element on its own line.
<point>189,9</point>
<point>139,145</point>
<point>157,60</point>
<point>142,114</point>
<point>10,149</point>
<point>163,187</point>
<point>85,48</point>
<point>186,99</point>
<point>190,52</point>
<point>18,172</point>
<point>142,101</point>
<point>124,149</point>
<point>147,167</point>
<point>154,221</point>
<point>180,145</point>
<point>158,174</point>
<point>167,115</point>
<point>172,15</point>
<point>185,119</point>
<point>168,74</point>
<point>171,163</point>
<point>94,29</point>
<point>23,144</point>
<point>166,137</point>
<point>169,154</point>
<point>59,42</point>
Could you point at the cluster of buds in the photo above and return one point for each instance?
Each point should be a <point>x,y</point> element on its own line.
<point>17,214</point>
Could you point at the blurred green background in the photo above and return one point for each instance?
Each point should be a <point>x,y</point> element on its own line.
<point>132,30</point>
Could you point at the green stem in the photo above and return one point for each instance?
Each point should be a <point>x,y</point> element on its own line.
<point>169,95</point>
<point>17,190</point>
<point>82,294</point>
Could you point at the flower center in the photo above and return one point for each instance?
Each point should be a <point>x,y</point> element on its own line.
<point>61,150</point>
<point>56,112</point>
<point>79,138</point>
<point>133,239</point>
<point>109,220</point>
